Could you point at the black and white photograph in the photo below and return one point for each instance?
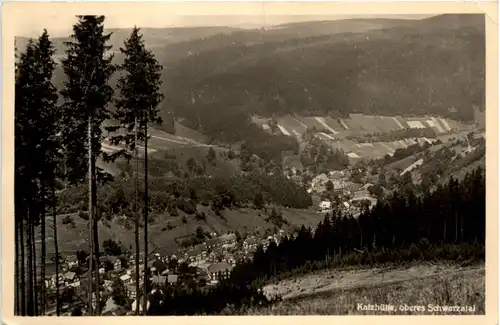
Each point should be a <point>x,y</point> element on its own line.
<point>249,164</point>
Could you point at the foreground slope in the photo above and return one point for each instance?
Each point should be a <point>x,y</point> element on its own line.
<point>340,292</point>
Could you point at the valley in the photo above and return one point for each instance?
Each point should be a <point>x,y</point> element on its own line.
<point>298,169</point>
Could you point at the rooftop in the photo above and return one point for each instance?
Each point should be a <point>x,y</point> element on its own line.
<point>219,267</point>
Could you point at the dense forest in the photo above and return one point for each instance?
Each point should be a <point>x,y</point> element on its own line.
<point>446,224</point>
<point>376,72</point>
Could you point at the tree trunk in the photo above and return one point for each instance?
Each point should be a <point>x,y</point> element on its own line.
<point>96,239</point>
<point>91,217</point>
<point>56,249</point>
<point>462,228</point>
<point>43,257</point>
<point>30,267</point>
<point>146,213</point>
<point>35,281</point>
<point>23,261</point>
<point>17,310</point>
<point>137,271</point>
<point>444,231</point>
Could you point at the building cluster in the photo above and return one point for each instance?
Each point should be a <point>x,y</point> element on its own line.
<point>349,195</point>
<point>208,263</point>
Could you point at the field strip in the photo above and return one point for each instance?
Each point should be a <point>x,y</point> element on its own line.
<point>387,282</point>
<point>398,123</point>
<point>445,124</point>
<point>283,130</point>
<point>327,135</point>
<point>437,125</point>
<point>326,126</point>
<point>170,140</point>
<point>296,120</point>
<point>150,149</point>
<point>343,124</point>
<point>391,150</point>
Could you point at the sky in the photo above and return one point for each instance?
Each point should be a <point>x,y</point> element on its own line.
<point>60,24</point>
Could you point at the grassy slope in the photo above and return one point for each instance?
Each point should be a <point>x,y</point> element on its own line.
<point>339,292</point>
<point>72,238</point>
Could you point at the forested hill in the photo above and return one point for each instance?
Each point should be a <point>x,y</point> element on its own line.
<point>429,66</point>
<point>220,75</point>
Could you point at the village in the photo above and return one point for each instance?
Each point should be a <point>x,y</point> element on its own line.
<point>204,264</point>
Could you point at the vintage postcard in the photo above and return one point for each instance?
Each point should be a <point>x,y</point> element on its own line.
<point>249,159</point>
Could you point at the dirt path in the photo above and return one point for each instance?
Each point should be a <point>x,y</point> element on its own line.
<point>326,282</point>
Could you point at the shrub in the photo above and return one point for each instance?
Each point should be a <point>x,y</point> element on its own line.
<point>189,207</point>
<point>200,216</point>
<point>83,215</point>
<point>66,220</point>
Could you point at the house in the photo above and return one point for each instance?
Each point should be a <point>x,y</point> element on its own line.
<point>70,277</point>
<point>228,239</point>
<point>159,280</point>
<point>71,261</point>
<point>249,243</point>
<point>361,193</point>
<point>367,186</point>
<point>197,253</point>
<point>318,183</point>
<point>53,280</point>
<point>325,206</point>
<point>132,290</point>
<point>172,278</point>
<point>108,285</point>
<point>214,243</point>
<point>126,278</point>
<point>336,175</point>
<point>218,271</point>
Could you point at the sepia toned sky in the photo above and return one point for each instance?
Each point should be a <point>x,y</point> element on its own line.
<point>60,24</point>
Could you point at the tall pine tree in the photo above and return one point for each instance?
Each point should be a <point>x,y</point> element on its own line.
<point>87,94</point>
<point>137,107</point>
<point>49,119</point>
<point>26,173</point>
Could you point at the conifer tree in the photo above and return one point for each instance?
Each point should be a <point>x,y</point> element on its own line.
<point>26,173</point>
<point>137,106</point>
<point>36,128</point>
<point>49,119</point>
<point>87,94</point>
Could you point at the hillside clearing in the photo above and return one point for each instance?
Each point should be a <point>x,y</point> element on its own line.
<point>337,293</point>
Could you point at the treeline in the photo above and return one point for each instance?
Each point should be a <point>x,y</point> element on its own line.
<point>58,136</point>
<point>399,154</point>
<point>397,135</point>
<point>446,224</point>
